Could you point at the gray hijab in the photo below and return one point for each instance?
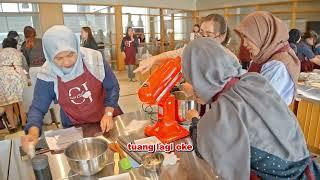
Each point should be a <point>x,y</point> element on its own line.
<point>249,114</point>
<point>195,67</point>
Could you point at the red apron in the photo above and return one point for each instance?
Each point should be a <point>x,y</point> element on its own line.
<point>130,51</point>
<point>82,98</point>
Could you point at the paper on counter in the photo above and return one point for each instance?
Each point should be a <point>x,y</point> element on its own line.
<point>60,139</point>
<point>124,176</point>
<point>148,140</point>
<point>170,159</point>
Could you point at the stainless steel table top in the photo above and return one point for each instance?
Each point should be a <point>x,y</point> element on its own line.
<point>308,92</point>
<point>190,167</point>
<point>4,158</point>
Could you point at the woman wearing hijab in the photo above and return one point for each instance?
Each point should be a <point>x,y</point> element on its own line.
<point>78,80</point>
<point>294,39</point>
<point>266,38</point>
<point>240,134</point>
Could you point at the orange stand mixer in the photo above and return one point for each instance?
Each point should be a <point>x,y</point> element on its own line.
<point>156,90</point>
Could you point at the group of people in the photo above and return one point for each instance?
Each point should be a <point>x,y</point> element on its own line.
<point>249,132</point>
<point>306,47</point>
<point>15,62</point>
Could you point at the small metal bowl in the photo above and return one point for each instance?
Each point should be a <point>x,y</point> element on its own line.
<point>87,156</point>
<point>152,161</point>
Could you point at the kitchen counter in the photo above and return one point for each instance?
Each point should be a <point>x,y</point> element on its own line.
<point>308,92</point>
<point>188,168</point>
<point>5,157</point>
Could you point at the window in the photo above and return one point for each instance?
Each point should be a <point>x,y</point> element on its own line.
<point>15,16</point>
<point>98,18</point>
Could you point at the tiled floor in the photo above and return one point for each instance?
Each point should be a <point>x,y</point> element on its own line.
<point>128,101</point>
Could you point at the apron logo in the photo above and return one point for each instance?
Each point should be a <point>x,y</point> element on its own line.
<point>78,95</point>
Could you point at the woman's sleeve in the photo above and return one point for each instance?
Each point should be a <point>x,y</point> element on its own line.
<point>223,141</point>
<point>307,52</point>
<point>170,54</point>
<point>111,86</point>
<point>42,97</point>
<point>136,43</point>
<point>24,63</point>
<point>26,55</point>
<point>278,76</point>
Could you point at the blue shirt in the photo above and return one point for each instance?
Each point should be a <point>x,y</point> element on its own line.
<point>44,94</point>
<point>278,76</point>
<point>304,51</point>
<point>317,50</point>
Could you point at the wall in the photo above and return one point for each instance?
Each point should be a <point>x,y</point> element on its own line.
<point>210,4</point>
<point>306,11</point>
<point>178,4</point>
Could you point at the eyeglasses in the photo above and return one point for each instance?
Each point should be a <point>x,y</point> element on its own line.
<point>208,34</point>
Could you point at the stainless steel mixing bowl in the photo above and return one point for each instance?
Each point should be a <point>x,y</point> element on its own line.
<point>87,156</point>
<point>185,104</point>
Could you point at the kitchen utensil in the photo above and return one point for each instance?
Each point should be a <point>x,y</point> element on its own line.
<point>41,168</point>
<point>87,156</point>
<point>152,161</point>
<point>124,162</point>
<point>116,158</point>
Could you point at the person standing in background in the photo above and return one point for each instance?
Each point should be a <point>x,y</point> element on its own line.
<point>294,39</point>
<point>13,80</point>
<point>87,38</point>
<point>32,48</point>
<point>195,33</point>
<point>129,49</point>
<point>33,52</point>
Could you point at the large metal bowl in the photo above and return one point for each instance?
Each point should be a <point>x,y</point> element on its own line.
<point>87,156</point>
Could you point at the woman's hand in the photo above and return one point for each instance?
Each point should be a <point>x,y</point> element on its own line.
<point>30,140</point>
<point>145,65</point>
<point>187,89</point>
<point>124,55</point>
<point>106,123</point>
<point>191,114</point>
